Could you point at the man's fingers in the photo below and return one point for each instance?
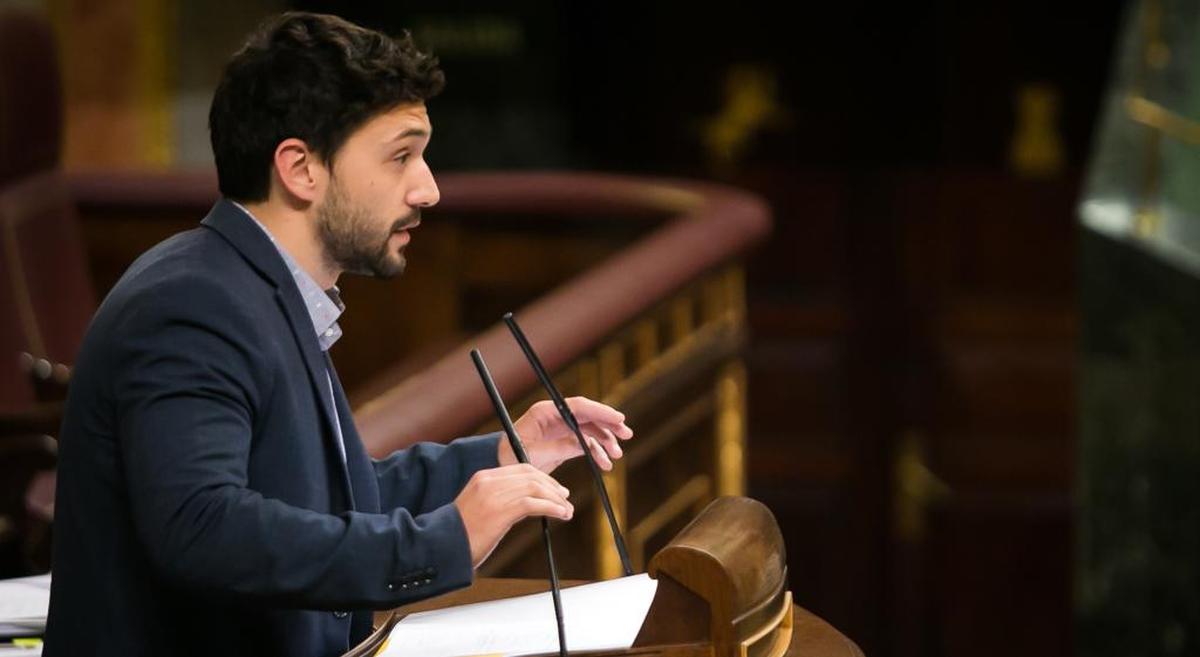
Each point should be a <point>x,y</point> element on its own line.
<point>536,506</point>
<point>513,498</point>
<point>598,453</point>
<point>552,492</point>
<point>510,474</point>
<point>611,444</point>
<point>511,483</point>
<point>607,439</point>
<point>587,410</point>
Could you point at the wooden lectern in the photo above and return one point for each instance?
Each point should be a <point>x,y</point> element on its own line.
<point>722,592</point>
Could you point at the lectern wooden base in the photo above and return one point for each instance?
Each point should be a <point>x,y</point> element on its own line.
<point>722,592</point>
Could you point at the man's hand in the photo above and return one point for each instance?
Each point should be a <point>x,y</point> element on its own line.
<point>496,499</point>
<point>549,442</point>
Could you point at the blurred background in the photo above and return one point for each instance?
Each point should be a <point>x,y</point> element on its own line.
<point>969,368</point>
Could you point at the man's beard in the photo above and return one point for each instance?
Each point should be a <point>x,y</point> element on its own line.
<point>350,242</point>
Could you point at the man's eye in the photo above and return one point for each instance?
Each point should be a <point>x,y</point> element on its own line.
<point>402,158</point>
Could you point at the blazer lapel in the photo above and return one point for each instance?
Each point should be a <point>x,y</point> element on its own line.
<point>239,230</point>
<point>314,362</point>
<point>358,462</point>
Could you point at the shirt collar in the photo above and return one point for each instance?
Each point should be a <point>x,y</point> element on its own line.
<point>324,306</point>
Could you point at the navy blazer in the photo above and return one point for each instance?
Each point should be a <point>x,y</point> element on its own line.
<point>203,506</point>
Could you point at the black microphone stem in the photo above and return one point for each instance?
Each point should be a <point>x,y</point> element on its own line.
<point>518,449</point>
<point>569,418</point>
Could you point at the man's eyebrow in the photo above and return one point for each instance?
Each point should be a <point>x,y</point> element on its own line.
<point>411,132</point>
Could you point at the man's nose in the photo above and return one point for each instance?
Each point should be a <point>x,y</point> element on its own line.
<point>426,193</point>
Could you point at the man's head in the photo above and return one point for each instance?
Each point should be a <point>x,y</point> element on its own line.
<point>328,119</point>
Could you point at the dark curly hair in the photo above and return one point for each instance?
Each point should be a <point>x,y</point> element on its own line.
<point>313,77</point>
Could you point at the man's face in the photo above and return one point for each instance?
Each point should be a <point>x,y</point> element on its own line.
<point>378,184</point>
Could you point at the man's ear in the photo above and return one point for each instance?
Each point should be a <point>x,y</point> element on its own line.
<point>300,173</point>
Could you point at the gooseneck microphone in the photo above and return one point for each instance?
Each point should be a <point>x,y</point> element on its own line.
<point>569,418</point>
<point>518,449</point>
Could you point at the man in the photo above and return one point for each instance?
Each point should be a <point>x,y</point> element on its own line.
<point>214,497</point>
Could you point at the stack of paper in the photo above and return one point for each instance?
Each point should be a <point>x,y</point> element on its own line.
<point>600,616</point>
<point>24,603</point>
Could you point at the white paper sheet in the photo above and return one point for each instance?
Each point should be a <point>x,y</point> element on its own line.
<point>24,603</point>
<point>600,616</point>
<point>24,599</point>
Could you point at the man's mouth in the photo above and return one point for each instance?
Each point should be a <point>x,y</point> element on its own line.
<point>408,225</point>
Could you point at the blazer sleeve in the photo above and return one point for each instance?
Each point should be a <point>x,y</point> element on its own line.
<point>426,476</point>
<point>187,379</point>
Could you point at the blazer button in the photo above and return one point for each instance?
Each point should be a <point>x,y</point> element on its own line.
<point>340,614</point>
